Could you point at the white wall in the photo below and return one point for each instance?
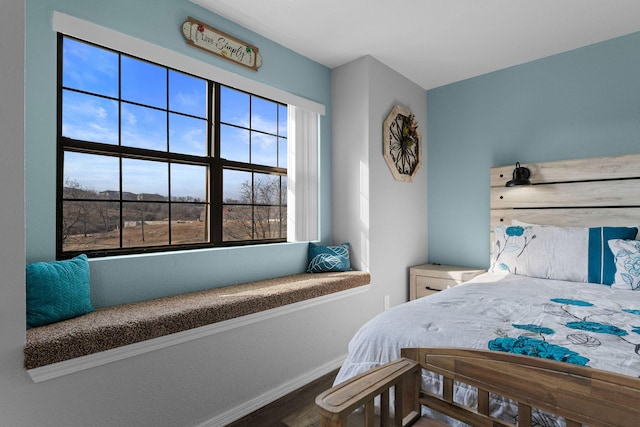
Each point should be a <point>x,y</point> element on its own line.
<point>12,246</point>
<point>350,160</point>
<point>385,220</point>
<point>209,382</point>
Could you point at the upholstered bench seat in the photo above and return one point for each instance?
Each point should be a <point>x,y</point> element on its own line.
<point>116,326</point>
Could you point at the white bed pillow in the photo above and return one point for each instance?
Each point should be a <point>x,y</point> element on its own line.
<point>575,254</point>
<point>626,254</point>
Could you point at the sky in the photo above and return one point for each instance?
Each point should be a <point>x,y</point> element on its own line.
<point>158,107</point>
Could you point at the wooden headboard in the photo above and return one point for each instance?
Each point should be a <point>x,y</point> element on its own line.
<point>581,193</point>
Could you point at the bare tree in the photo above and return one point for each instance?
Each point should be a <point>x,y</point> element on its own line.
<point>267,194</point>
<point>75,213</point>
<point>256,214</point>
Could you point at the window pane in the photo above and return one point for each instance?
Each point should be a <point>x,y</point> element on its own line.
<point>89,118</point>
<point>264,149</point>
<point>283,194</point>
<point>90,176</point>
<point>234,107</point>
<point>236,187</point>
<point>266,189</point>
<point>187,94</point>
<point>237,223</point>
<point>282,120</point>
<point>90,225</point>
<point>268,222</point>
<point>144,82</point>
<point>187,135</point>
<point>188,183</point>
<point>283,213</point>
<point>188,223</point>
<point>89,68</point>
<point>264,115</point>
<point>144,127</point>
<point>145,180</point>
<point>145,224</point>
<point>282,152</point>
<point>234,143</point>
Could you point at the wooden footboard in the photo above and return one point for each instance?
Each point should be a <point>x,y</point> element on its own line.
<point>579,394</point>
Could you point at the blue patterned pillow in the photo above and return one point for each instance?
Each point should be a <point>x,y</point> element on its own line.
<point>574,254</point>
<point>328,258</point>
<point>57,291</point>
<point>627,258</point>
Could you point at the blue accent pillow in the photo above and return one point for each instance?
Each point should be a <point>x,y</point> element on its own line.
<point>328,258</point>
<point>602,266</point>
<point>626,254</point>
<point>57,290</point>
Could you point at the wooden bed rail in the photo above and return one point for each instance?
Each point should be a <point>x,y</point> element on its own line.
<point>337,403</point>
<point>580,394</point>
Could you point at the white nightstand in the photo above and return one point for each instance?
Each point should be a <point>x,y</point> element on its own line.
<point>427,279</point>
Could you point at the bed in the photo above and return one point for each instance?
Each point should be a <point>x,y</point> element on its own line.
<point>561,286</point>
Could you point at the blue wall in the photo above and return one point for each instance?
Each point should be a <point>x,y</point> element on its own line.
<point>579,104</point>
<point>123,279</point>
<point>583,103</point>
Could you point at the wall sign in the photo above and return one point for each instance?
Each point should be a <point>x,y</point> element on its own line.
<point>202,36</point>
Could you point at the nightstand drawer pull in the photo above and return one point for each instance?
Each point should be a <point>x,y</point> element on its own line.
<point>435,283</point>
<point>431,289</point>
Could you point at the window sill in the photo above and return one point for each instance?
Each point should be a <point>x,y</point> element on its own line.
<point>123,331</point>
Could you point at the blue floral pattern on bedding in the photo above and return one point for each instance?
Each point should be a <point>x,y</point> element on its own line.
<point>539,347</point>
<point>572,302</point>
<point>535,328</point>
<point>510,245</point>
<point>597,327</point>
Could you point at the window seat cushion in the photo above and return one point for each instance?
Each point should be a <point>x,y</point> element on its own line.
<point>120,325</point>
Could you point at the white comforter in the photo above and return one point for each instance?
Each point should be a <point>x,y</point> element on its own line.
<point>591,324</point>
<point>581,323</point>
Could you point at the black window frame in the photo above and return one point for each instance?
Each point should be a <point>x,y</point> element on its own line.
<point>212,160</point>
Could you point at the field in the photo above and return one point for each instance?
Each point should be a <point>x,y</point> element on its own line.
<point>152,234</point>
<point>156,233</point>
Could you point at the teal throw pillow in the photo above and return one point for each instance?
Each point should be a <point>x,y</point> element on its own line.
<point>328,258</point>
<point>57,290</point>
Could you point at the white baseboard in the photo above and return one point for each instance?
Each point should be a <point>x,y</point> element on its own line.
<point>271,396</point>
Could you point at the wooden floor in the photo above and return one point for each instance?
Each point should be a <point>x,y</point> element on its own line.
<point>296,409</point>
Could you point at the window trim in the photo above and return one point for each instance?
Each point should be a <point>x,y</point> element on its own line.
<point>98,34</point>
<point>212,160</point>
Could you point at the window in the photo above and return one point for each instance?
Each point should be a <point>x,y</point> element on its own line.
<point>154,159</point>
